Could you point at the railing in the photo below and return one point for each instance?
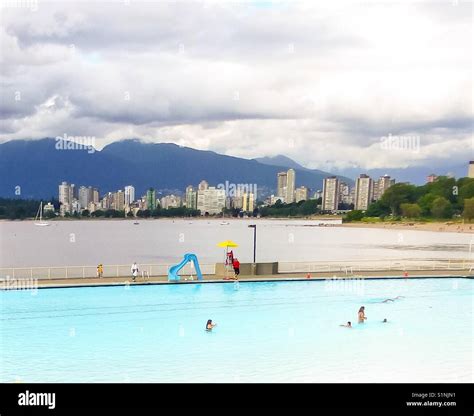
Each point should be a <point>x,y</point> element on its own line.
<point>84,272</point>
<point>154,270</point>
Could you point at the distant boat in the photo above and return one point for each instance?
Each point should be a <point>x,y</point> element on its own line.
<point>136,223</point>
<point>224,223</point>
<point>39,215</point>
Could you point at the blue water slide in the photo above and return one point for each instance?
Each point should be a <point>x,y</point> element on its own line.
<point>173,271</point>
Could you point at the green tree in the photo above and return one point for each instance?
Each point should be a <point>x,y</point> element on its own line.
<point>468,212</point>
<point>466,188</point>
<point>156,212</point>
<point>144,213</point>
<point>308,207</point>
<point>49,214</point>
<point>85,213</point>
<point>410,210</point>
<point>355,215</point>
<point>377,209</point>
<point>425,203</point>
<point>398,194</point>
<point>441,208</point>
<point>442,186</point>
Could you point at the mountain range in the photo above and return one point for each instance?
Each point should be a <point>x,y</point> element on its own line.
<point>413,174</point>
<point>37,167</point>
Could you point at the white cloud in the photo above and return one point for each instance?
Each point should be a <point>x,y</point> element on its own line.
<point>319,83</point>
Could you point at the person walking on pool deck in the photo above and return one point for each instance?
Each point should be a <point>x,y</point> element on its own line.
<point>236,265</point>
<point>361,315</point>
<point>210,325</point>
<point>100,270</point>
<point>134,270</point>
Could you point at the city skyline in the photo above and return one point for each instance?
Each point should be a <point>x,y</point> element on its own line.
<point>214,199</point>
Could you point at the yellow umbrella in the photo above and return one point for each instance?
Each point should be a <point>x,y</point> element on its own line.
<point>227,243</point>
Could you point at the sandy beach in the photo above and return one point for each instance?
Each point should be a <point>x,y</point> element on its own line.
<point>448,227</point>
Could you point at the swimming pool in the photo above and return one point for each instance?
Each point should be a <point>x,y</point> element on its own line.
<point>266,332</point>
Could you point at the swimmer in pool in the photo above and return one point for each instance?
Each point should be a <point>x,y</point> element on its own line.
<point>348,325</point>
<point>210,325</point>
<point>361,315</point>
<point>392,300</point>
<point>384,321</point>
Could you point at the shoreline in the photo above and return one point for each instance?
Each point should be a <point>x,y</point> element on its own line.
<point>435,226</point>
<point>442,227</point>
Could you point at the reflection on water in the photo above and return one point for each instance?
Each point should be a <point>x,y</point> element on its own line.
<point>431,247</point>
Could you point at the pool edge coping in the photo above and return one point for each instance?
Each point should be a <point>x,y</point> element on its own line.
<point>251,280</point>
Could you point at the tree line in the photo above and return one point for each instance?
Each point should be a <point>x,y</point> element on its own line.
<point>444,198</point>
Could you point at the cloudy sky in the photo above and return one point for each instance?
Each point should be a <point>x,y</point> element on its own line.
<point>322,83</point>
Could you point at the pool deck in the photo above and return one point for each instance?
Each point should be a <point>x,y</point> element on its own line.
<point>156,280</point>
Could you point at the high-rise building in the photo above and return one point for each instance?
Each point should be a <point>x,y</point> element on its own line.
<point>470,172</point>
<point>93,206</point>
<point>119,200</point>
<point>330,193</point>
<point>431,178</point>
<point>66,198</point>
<point>248,202</point>
<point>203,185</point>
<point>281,184</point>
<point>49,207</point>
<point>237,202</point>
<point>363,192</point>
<point>301,194</point>
<point>151,199</point>
<point>251,205</point>
<point>75,207</point>
<point>318,194</point>
<point>381,185</point>
<point>345,193</point>
<point>290,186</point>
<point>65,193</point>
<point>170,201</point>
<point>129,194</point>
<point>191,197</point>
<point>142,203</point>
<point>211,200</point>
<point>286,186</point>
<point>75,193</point>
<point>85,196</point>
<point>95,195</point>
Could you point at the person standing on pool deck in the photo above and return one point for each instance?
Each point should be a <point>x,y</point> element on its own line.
<point>134,270</point>
<point>361,315</point>
<point>210,325</point>
<point>236,266</point>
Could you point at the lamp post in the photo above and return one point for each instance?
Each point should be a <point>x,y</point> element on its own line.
<point>254,226</point>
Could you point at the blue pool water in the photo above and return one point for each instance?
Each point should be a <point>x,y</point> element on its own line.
<point>268,331</point>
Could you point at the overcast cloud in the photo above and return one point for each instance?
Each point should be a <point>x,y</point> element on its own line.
<point>321,83</point>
